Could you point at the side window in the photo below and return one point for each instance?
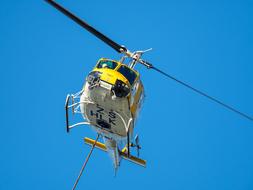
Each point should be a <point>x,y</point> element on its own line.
<point>107,64</point>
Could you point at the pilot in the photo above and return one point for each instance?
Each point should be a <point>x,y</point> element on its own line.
<point>104,65</point>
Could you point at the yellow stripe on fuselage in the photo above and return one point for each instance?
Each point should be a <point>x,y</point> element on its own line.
<point>111,76</point>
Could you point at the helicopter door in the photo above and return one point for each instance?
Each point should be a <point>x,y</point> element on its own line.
<point>134,91</point>
<point>137,95</point>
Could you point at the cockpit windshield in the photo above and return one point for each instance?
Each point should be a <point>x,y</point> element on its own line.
<point>107,64</point>
<point>128,73</point>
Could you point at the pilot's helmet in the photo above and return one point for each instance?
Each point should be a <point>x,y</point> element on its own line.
<point>104,65</point>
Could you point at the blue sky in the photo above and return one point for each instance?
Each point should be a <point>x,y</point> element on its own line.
<point>189,142</point>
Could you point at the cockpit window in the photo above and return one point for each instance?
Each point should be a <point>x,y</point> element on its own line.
<point>107,64</point>
<point>128,73</point>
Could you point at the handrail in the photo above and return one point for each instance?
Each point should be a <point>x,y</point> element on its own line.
<point>67,112</point>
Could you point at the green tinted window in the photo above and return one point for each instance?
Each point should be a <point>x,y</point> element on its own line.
<point>107,64</point>
<point>128,73</point>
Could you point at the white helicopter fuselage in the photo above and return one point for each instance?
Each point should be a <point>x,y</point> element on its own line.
<point>107,114</point>
<point>111,106</point>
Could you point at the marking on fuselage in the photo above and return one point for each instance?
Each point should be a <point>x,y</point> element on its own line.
<point>112,117</point>
<point>100,109</point>
<point>100,114</point>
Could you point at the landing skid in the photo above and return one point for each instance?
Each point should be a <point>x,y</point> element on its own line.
<point>123,154</point>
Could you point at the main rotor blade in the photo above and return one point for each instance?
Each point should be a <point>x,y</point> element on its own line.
<point>89,28</point>
<point>198,91</point>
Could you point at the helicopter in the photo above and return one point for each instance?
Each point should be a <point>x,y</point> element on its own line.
<point>111,99</point>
